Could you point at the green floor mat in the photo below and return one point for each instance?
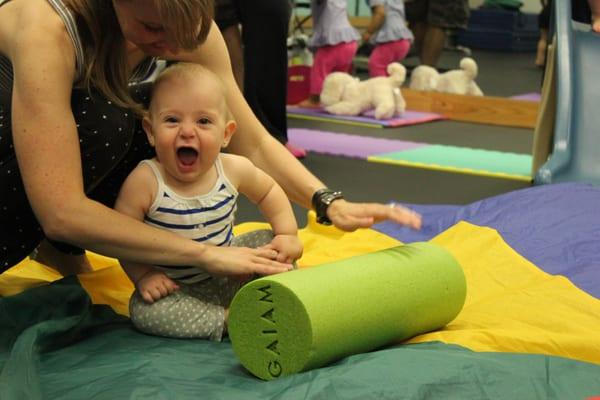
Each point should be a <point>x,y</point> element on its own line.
<point>463,160</point>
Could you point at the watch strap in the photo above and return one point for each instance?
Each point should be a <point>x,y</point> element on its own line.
<point>321,200</point>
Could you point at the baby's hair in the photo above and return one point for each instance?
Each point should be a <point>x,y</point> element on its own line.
<point>189,71</point>
<point>186,70</point>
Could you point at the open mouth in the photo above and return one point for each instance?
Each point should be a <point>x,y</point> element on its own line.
<point>187,156</point>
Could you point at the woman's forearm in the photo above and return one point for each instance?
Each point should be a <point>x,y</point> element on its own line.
<point>93,226</point>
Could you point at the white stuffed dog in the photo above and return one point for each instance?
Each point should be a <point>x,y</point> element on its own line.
<point>458,81</point>
<point>342,94</point>
<point>424,77</point>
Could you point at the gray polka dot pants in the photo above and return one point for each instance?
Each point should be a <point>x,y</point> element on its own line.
<point>195,310</point>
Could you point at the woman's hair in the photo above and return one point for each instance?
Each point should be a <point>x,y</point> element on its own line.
<point>105,66</point>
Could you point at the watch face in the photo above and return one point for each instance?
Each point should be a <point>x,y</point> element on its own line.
<point>321,202</point>
<point>328,199</point>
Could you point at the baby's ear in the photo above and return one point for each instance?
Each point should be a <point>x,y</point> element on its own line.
<point>147,126</point>
<point>230,127</point>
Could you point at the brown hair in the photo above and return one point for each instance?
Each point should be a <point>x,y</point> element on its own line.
<point>106,69</point>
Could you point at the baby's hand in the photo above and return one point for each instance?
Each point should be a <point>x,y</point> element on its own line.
<point>288,248</point>
<point>155,285</point>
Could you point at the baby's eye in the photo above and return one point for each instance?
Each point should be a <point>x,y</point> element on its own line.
<point>170,120</point>
<point>204,121</point>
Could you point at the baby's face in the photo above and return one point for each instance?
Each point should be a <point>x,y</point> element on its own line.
<point>188,124</point>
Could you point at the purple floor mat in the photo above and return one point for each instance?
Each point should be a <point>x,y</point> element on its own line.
<point>346,145</point>
<point>534,96</point>
<point>407,118</point>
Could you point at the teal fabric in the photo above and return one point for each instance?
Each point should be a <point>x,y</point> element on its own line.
<point>55,345</point>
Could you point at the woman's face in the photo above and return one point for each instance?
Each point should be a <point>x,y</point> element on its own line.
<point>141,25</point>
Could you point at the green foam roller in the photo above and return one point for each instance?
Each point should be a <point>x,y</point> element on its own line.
<point>304,319</point>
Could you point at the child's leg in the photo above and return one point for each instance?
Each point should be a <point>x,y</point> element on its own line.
<point>323,64</point>
<point>386,53</point>
<point>253,239</point>
<point>329,59</point>
<point>344,56</point>
<point>195,310</point>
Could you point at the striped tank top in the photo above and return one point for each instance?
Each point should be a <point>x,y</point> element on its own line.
<point>206,218</point>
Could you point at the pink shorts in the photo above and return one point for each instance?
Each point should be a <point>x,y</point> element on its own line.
<point>330,59</point>
<point>386,53</point>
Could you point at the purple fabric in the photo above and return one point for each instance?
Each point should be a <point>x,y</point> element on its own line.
<point>407,118</point>
<point>344,144</point>
<point>528,97</point>
<point>556,227</point>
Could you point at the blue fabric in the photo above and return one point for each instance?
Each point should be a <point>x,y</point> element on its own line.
<point>556,227</point>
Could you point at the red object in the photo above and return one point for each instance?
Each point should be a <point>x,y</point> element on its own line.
<point>298,87</point>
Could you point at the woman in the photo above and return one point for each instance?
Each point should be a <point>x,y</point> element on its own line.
<point>68,134</point>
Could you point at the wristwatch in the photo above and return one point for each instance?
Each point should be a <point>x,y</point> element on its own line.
<point>321,201</point>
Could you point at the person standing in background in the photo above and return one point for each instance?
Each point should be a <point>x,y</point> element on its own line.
<point>429,20</point>
<point>544,25</point>
<point>259,58</point>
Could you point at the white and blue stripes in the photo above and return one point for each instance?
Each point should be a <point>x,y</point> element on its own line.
<point>207,218</point>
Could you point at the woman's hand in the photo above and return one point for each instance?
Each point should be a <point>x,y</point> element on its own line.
<point>241,262</point>
<point>154,285</point>
<point>289,248</point>
<point>349,216</point>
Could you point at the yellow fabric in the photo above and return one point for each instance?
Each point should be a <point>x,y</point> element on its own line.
<point>323,244</point>
<point>25,275</point>
<point>513,306</point>
<point>108,284</point>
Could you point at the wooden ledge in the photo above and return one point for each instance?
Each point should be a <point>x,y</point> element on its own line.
<point>478,109</point>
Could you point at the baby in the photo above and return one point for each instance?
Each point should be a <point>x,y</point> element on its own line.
<point>190,188</point>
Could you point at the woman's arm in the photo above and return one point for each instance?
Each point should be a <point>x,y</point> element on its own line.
<point>47,148</point>
<point>253,141</point>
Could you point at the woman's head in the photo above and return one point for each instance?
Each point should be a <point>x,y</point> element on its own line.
<point>161,26</point>
<point>156,26</point>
